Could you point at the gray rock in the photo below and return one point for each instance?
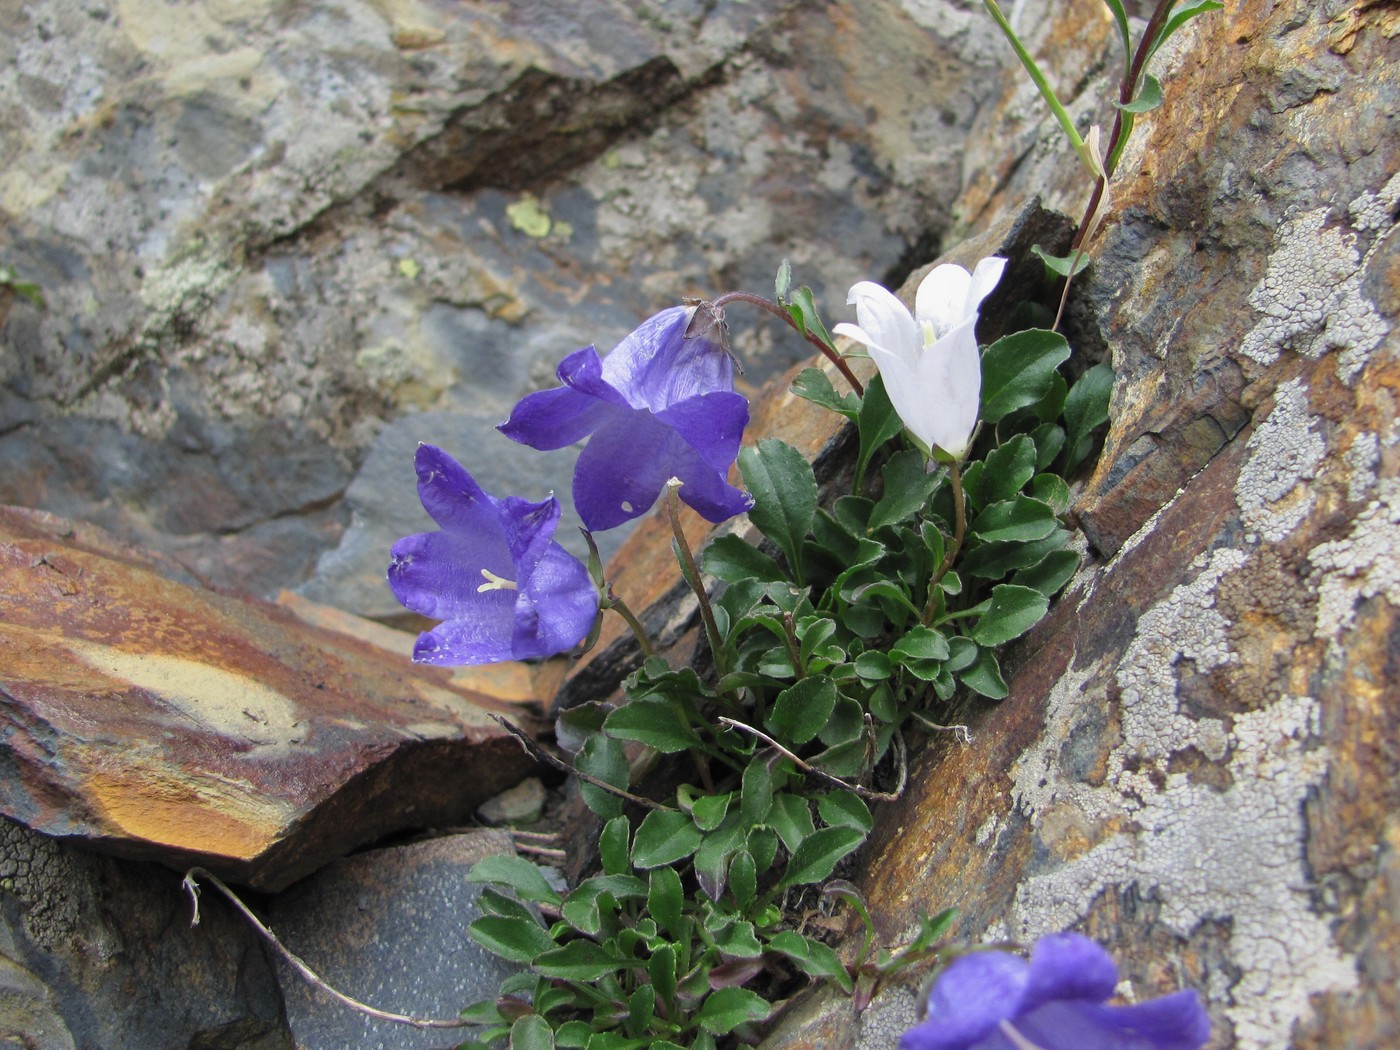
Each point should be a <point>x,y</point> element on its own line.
<point>99,952</point>
<point>389,928</point>
<point>268,234</point>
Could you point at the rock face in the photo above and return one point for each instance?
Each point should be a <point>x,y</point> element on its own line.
<point>99,952</point>
<point>283,243</point>
<point>1191,766</point>
<point>389,926</point>
<point>167,723</point>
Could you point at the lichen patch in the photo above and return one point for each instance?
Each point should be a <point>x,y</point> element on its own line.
<point>1284,453</point>
<point>1362,565</point>
<point>1311,298</point>
<point>1205,854</point>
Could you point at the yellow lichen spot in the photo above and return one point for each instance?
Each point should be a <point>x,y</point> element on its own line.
<point>409,268</point>
<point>528,217</point>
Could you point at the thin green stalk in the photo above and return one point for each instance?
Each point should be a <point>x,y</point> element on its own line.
<point>692,576</point>
<point>618,606</point>
<point>1046,91</point>
<point>959,531</point>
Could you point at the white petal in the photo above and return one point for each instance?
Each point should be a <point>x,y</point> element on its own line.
<point>984,279</point>
<point>885,321</point>
<point>917,405</point>
<point>953,367</point>
<point>942,297</point>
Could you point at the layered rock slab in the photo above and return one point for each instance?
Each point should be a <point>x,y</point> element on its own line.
<point>163,722</point>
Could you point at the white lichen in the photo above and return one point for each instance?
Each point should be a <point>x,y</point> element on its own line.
<point>1361,566</point>
<point>1311,297</point>
<point>1233,855</point>
<point>1285,452</point>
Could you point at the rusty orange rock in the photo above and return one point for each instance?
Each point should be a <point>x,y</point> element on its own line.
<point>164,722</point>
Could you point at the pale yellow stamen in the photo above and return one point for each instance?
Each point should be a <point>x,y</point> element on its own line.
<point>930,336</point>
<point>495,583</point>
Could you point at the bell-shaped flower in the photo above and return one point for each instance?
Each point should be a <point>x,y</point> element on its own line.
<point>997,1001</point>
<point>659,406</point>
<point>929,359</point>
<point>493,573</point>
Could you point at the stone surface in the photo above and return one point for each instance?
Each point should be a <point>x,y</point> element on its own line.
<point>280,243</point>
<point>522,804</point>
<point>389,928</point>
<point>1191,766</point>
<point>99,952</point>
<point>164,722</point>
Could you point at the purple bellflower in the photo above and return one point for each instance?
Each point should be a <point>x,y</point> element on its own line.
<point>659,406</point>
<point>493,573</point>
<point>997,1001</point>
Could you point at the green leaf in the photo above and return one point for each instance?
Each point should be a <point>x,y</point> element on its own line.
<point>1053,572</point>
<point>582,908</point>
<point>762,845</point>
<point>712,858</point>
<point>921,643</point>
<point>784,492</point>
<point>531,1032</point>
<point>709,811</point>
<point>737,939</point>
<point>812,958</point>
<point>666,899</point>
<point>819,854</point>
<point>664,838</point>
<point>815,386</point>
<point>756,796</point>
<point>659,724</point>
<point>791,818</point>
<point>985,676</point>
<point>845,809</point>
<point>580,960</point>
<point>612,846</point>
<point>518,940</point>
<point>1018,370</point>
<point>1149,97</point>
<point>1059,265</point>
<point>726,1009</point>
<point>877,423</point>
<point>1014,611</point>
<point>1120,16</point>
<point>1051,489</point>
<point>1086,407</point>
<point>873,666</point>
<point>802,710</point>
<point>991,561</point>
<point>804,311</point>
<point>602,757</point>
<point>661,968</point>
<point>845,723</point>
<point>1180,17</point>
<point>517,873</point>
<point>1020,520</point>
<point>782,282</point>
<point>733,560</point>
<point>573,1034</point>
<point>743,878</point>
<point>1008,468</point>
<point>641,1008</point>
<point>1049,438</point>
<point>908,486</point>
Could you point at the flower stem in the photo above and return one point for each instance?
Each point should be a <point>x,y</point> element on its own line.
<point>620,607</point>
<point>691,572</point>
<point>777,311</point>
<point>959,531</point>
<point>1057,108</point>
